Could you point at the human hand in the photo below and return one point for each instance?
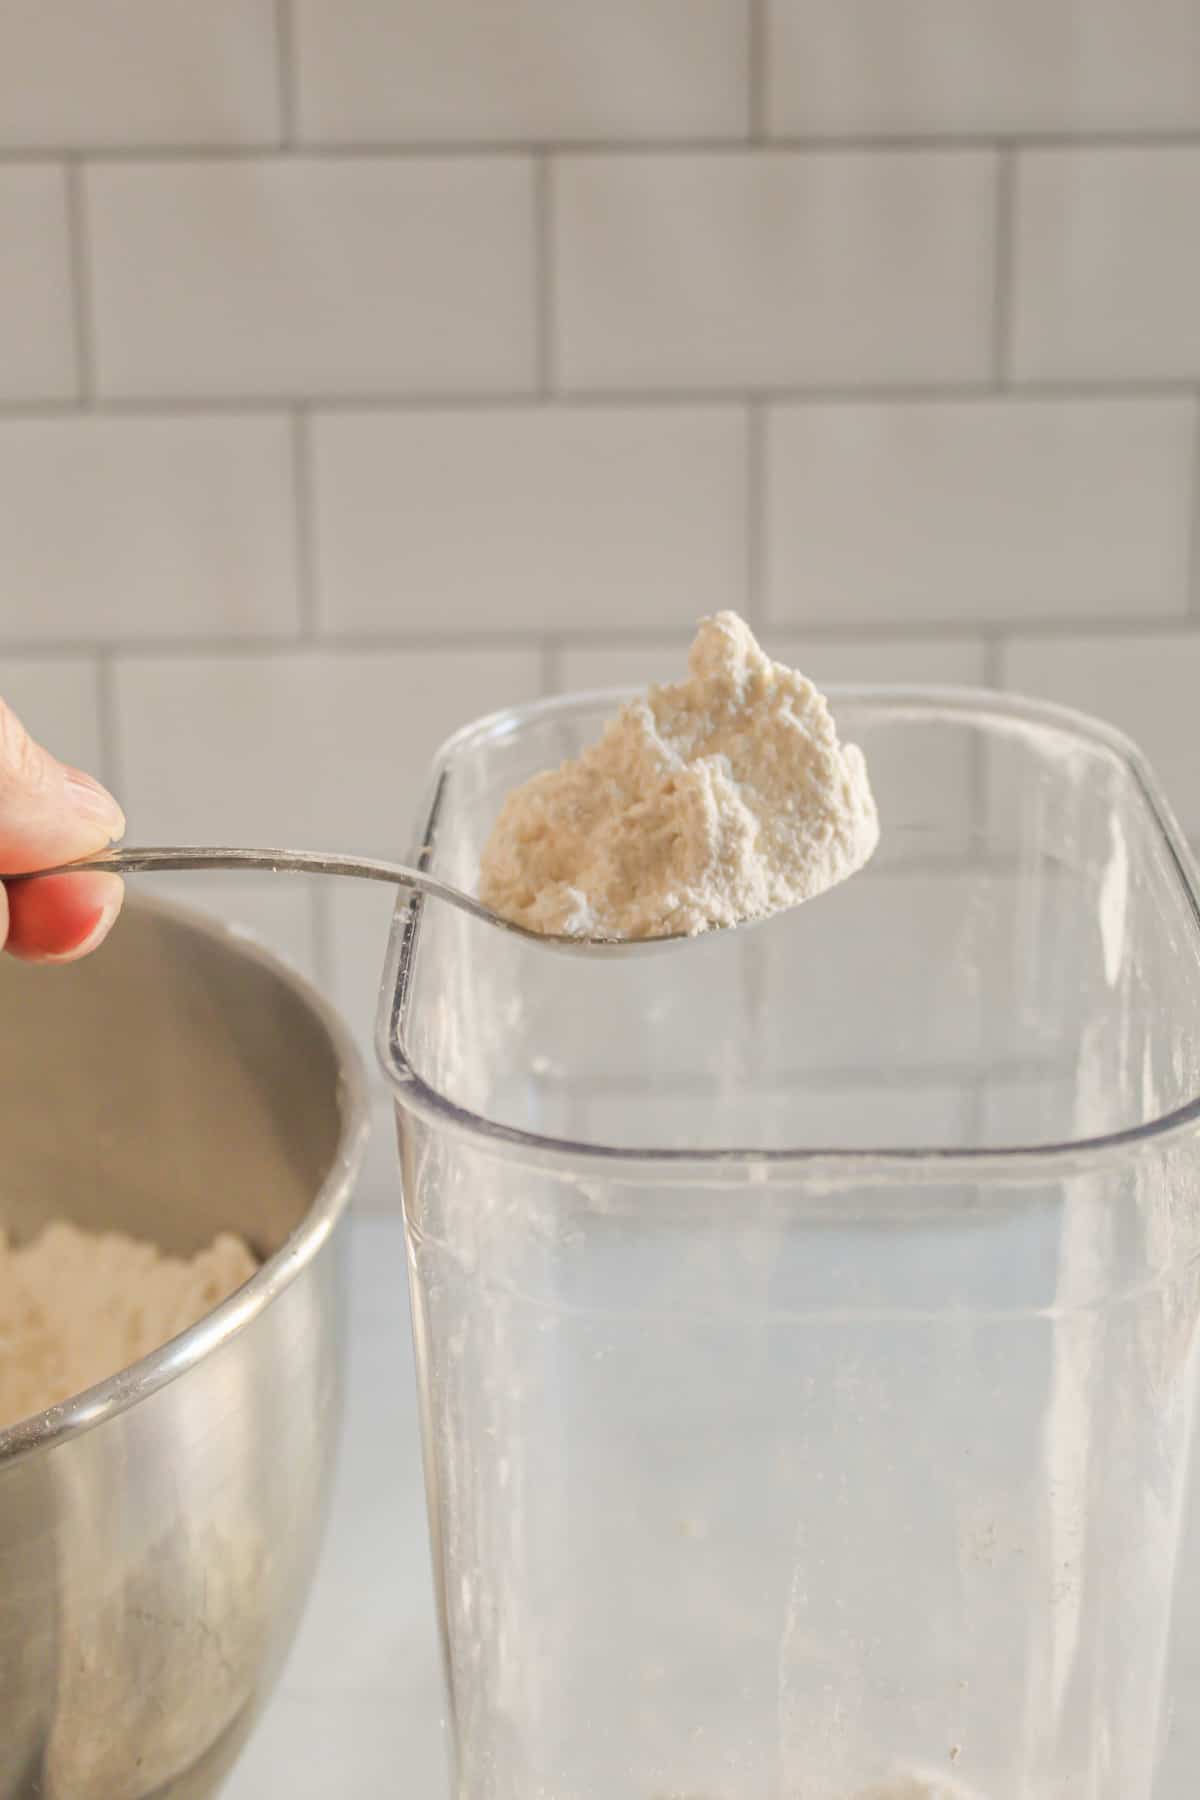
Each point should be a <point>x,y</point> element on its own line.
<point>51,813</point>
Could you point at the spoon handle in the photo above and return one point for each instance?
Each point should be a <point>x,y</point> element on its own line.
<point>301,862</point>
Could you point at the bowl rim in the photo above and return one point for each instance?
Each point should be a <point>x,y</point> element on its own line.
<point>117,1393</point>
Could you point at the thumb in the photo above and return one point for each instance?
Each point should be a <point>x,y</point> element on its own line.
<point>49,812</point>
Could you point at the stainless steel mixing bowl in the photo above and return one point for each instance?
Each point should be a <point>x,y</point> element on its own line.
<point>158,1534</point>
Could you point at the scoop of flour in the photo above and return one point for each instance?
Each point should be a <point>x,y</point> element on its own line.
<point>715,800</point>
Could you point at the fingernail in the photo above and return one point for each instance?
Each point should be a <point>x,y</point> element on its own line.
<point>102,924</point>
<point>95,802</point>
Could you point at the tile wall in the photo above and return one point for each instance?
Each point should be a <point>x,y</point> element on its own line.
<point>366,364</point>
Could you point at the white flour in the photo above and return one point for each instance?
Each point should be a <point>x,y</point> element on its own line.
<point>721,798</point>
<point>77,1306</point>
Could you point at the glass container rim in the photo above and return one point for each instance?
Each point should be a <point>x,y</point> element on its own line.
<point>826,1167</point>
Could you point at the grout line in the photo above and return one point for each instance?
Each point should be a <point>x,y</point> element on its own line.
<point>107,713</point>
<point>274,405</point>
<point>1004,280</point>
<point>1193,601</point>
<point>955,392</point>
<point>304,525</point>
<point>815,392</point>
<point>285,64</point>
<point>79,274</point>
<point>31,411</point>
<point>1027,393</point>
<point>469,642</point>
<point>757,52</point>
<point>814,143</point>
<point>543,274</point>
<point>756,515</point>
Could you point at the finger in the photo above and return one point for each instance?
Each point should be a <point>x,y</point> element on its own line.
<point>48,812</point>
<point>63,917</point>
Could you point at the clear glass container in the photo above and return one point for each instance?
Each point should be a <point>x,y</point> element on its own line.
<point>805,1317</point>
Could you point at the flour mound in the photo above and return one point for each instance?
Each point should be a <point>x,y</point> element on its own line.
<point>77,1306</point>
<point>718,799</point>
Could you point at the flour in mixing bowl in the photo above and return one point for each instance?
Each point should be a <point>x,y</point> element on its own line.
<point>718,799</point>
<point>77,1306</point>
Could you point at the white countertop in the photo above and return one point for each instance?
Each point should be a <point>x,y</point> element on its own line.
<point>358,1712</point>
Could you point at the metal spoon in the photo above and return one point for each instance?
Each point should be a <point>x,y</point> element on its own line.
<point>321,862</point>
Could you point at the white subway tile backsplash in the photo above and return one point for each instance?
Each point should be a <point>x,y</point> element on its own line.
<point>429,70</point>
<point>586,666</point>
<point>773,268</point>
<point>318,748</point>
<point>958,662</point>
<point>1147,687</point>
<point>949,662</point>
<point>549,518</point>
<point>152,527</point>
<point>58,701</point>
<point>982,66</point>
<point>137,72</point>
<point>301,276</point>
<point>1107,264</point>
<point>37,347</point>
<point>989,510</point>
